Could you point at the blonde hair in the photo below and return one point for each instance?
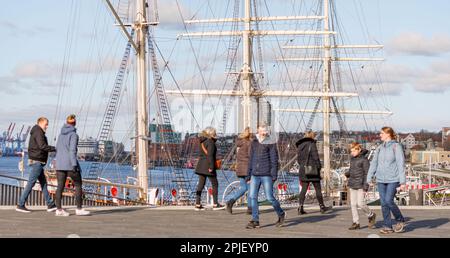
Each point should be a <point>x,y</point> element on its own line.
<point>310,134</point>
<point>246,134</point>
<point>210,132</point>
<point>390,131</point>
<point>356,146</point>
<point>42,119</point>
<point>71,119</point>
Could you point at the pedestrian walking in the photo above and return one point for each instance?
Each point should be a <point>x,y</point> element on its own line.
<point>242,157</point>
<point>67,165</point>
<point>38,150</point>
<point>357,175</point>
<point>309,170</point>
<point>388,166</point>
<point>207,168</point>
<point>263,170</point>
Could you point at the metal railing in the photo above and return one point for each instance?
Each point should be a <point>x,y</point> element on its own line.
<point>10,194</point>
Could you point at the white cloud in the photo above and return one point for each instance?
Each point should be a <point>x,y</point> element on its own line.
<point>169,14</point>
<point>416,44</point>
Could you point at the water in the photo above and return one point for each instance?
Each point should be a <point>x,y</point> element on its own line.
<point>159,177</point>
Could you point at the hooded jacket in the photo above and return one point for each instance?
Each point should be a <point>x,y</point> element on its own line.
<point>357,174</point>
<point>388,164</point>
<point>38,147</point>
<point>66,149</point>
<point>207,161</point>
<point>303,146</point>
<point>263,158</point>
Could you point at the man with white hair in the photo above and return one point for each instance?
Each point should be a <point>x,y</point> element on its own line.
<point>263,170</point>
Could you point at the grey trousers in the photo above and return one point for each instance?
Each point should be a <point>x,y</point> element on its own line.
<point>357,201</point>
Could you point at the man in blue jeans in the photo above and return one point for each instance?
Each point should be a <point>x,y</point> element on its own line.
<point>263,170</point>
<point>38,150</point>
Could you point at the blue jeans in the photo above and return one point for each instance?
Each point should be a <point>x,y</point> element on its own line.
<point>267,183</point>
<point>387,195</point>
<point>243,188</point>
<point>36,174</point>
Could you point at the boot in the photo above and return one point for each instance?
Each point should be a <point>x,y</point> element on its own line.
<point>229,205</point>
<point>324,209</point>
<point>301,211</point>
<point>372,220</point>
<point>249,211</point>
<point>354,226</point>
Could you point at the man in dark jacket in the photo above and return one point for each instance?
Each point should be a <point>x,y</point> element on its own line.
<point>357,174</point>
<point>263,170</point>
<point>38,150</point>
<point>308,155</point>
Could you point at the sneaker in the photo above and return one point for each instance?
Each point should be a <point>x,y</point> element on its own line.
<point>249,211</point>
<point>199,207</point>
<point>354,226</point>
<point>22,209</point>
<point>62,213</point>
<point>281,220</point>
<point>386,231</point>
<point>51,208</point>
<point>372,220</point>
<point>399,227</point>
<point>252,225</point>
<point>82,212</point>
<point>217,207</point>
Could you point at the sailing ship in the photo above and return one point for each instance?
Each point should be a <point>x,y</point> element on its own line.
<point>247,90</point>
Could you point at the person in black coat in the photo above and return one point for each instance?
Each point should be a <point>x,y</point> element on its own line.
<point>357,174</point>
<point>308,155</point>
<point>206,167</point>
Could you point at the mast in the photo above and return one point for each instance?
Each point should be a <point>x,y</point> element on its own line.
<point>326,100</point>
<point>141,27</point>
<point>247,93</point>
<point>247,69</point>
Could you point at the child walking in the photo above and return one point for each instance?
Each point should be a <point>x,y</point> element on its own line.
<point>357,174</point>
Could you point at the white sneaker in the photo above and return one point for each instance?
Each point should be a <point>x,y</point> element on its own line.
<point>82,212</point>
<point>62,213</point>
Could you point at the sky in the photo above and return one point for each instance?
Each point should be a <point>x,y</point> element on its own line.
<point>61,56</point>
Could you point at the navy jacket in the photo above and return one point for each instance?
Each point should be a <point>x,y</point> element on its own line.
<point>263,158</point>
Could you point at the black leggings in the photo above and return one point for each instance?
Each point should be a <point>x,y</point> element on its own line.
<point>201,185</point>
<point>76,178</point>
<point>318,190</point>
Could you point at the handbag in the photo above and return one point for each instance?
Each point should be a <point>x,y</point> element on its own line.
<point>310,170</point>
<point>218,163</point>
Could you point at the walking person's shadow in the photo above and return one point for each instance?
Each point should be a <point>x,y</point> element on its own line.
<point>309,218</point>
<point>428,224</point>
<point>412,224</point>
